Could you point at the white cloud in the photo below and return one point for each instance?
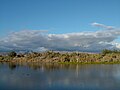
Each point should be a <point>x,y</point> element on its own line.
<point>83,41</point>
<point>102,26</point>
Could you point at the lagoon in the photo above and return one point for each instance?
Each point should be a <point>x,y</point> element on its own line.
<point>37,76</point>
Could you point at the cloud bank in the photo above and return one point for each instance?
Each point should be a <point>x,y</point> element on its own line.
<point>37,40</point>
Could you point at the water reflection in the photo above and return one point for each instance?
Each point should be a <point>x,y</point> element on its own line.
<point>12,66</point>
<point>39,76</point>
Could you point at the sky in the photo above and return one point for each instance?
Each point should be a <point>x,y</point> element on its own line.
<point>65,25</point>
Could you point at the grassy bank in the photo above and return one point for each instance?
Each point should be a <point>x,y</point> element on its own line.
<point>105,57</point>
<point>89,63</point>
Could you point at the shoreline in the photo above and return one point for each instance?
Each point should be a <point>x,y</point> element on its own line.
<point>13,61</point>
<point>63,58</point>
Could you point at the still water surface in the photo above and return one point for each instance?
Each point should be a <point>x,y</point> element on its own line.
<point>59,77</point>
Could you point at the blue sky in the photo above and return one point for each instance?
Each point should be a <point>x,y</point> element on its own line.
<point>57,16</point>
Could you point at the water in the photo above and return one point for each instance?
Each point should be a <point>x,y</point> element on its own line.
<point>59,77</point>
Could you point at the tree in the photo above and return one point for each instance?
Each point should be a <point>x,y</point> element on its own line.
<point>106,51</point>
<point>12,54</point>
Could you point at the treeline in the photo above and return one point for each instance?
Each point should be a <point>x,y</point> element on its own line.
<point>106,51</point>
<point>109,56</point>
<point>9,56</point>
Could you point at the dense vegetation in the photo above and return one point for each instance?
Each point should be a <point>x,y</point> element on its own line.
<point>106,51</point>
<point>106,56</point>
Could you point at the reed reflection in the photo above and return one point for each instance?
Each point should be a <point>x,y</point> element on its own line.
<point>49,76</point>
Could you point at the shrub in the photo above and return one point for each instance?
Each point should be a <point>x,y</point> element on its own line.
<point>12,54</point>
<point>106,51</point>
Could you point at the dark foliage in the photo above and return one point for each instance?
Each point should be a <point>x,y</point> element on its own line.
<point>12,54</point>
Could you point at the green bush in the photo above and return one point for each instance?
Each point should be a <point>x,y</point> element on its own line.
<point>12,54</point>
<point>1,58</point>
<point>106,51</point>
